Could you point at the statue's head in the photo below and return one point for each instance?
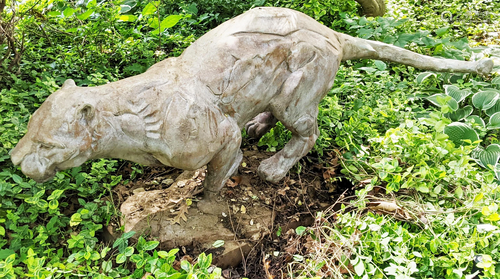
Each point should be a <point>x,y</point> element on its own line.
<point>59,134</point>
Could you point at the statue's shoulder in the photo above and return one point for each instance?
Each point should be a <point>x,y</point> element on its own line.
<point>269,20</point>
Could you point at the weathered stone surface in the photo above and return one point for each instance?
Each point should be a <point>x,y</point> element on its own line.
<point>188,111</point>
<point>156,213</point>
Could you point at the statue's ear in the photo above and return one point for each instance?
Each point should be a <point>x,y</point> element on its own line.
<point>68,83</point>
<point>85,113</point>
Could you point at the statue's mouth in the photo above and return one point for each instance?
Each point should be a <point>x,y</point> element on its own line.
<point>39,169</point>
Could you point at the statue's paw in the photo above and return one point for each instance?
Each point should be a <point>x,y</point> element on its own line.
<point>260,125</point>
<point>270,170</point>
<point>211,206</point>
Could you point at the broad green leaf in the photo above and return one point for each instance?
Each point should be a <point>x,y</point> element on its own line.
<point>381,66</point>
<point>168,22</point>
<point>129,18</point>
<point>443,99</point>
<point>422,76</point>
<point>150,8</point>
<point>460,113</point>
<point>496,80</point>
<point>68,12</point>
<point>494,122</point>
<point>495,108</point>
<point>456,93</point>
<point>475,119</point>
<point>2,231</point>
<point>485,99</point>
<point>85,15</point>
<point>457,132</point>
<point>441,31</point>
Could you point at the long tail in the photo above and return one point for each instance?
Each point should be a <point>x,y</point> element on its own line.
<point>356,48</point>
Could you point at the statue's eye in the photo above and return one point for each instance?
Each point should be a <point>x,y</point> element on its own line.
<point>46,146</point>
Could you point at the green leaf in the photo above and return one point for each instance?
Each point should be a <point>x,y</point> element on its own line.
<point>150,8</point>
<point>2,231</point>
<point>55,194</point>
<point>300,230</point>
<point>456,93</point>
<point>495,108</point>
<point>485,99</point>
<point>496,81</point>
<point>127,5</point>
<point>489,156</point>
<point>129,251</point>
<point>150,245</point>
<point>218,243</point>
<point>475,119</point>
<point>120,258</point>
<point>443,99</point>
<point>85,15</point>
<point>129,18</point>
<point>359,268</point>
<point>68,12</point>
<point>168,22</point>
<point>381,66</point>
<point>75,219</point>
<point>458,131</point>
<point>441,31</point>
<point>460,113</point>
<point>494,122</point>
<point>54,13</point>
<point>422,76</point>
<point>53,204</point>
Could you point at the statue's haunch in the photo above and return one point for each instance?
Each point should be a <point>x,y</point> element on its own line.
<point>264,66</point>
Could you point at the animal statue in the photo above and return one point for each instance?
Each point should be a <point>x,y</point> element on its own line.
<point>266,65</point>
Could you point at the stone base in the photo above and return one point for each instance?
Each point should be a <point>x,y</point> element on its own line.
<point>156,214</point>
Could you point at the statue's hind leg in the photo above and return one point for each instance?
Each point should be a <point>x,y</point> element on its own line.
<point>222,166</point>
<point>297,108</point>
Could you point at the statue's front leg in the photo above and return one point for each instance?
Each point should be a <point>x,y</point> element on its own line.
<point>260,125</point>
<point>222,166</point>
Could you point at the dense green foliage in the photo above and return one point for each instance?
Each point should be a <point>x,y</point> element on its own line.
<point>440,196</point>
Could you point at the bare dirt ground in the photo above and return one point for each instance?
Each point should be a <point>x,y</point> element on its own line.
<point>294,201</point>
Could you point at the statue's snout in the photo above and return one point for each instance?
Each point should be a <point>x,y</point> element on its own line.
<point>22,149</point>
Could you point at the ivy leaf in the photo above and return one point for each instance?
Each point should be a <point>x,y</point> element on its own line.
<point>485,99</point>
<point>458,131</point>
